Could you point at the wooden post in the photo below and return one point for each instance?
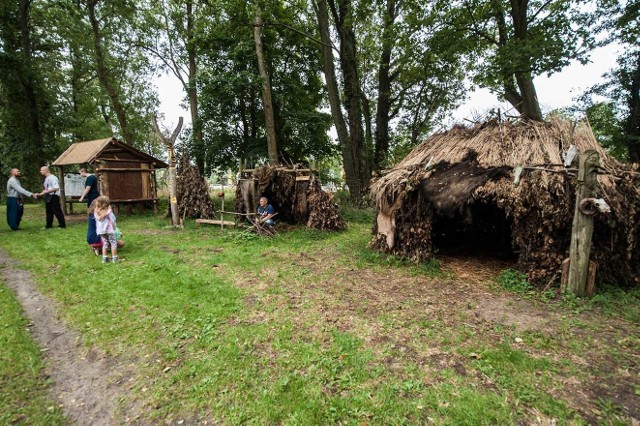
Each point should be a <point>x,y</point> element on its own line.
<point>582,229</point>
<point>222,209</point>
<point>63,199</point>
<point>173,183</point>
<point>154,184</point>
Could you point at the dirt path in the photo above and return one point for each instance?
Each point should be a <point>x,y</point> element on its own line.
<point>86,382</point>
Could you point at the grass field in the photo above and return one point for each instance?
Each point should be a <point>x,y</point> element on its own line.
<point>225,327</point>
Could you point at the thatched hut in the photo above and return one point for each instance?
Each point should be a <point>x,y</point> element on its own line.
<point>503,189</point>
<point>295,193</point>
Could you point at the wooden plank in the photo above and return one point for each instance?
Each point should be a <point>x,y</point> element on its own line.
<point>215,222</point>
<point>123,169</point>
<point>302,178</point>
<point>591,279</point>
<point>565,275</point>
<point>131,200</point>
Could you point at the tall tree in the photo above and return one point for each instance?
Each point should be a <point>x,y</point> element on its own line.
<point>176,26</point>
<point>518,40</point>
<point>230,84</point>
<point>25,109</point>
<point>419,73</point>
<point>618,120</point>
<point>272,146</point>
<point>356,162</point>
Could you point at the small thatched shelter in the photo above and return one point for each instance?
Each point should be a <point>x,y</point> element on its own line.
<point>295,193</point>
<point>502,189</point>
<point>125,174</point>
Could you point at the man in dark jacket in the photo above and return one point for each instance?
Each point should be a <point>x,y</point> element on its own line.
<point>15,205</point>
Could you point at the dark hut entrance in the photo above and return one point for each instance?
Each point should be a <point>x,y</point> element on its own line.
<point>481,230</point>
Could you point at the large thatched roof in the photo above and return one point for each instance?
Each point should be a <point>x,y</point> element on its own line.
<point>518,168</point>
<point>497,144</point>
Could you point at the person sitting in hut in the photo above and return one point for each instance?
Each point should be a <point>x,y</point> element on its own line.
<point>265,212</point>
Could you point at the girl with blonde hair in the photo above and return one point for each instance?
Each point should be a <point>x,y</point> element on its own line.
<point>106,227</point>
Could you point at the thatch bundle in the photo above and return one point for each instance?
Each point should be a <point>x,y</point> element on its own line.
<point>192,192</point>
<point>295,194</point>
<point>460,187</point>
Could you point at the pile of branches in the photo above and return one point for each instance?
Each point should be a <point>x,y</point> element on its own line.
<point>323,211</point>
<point>192,193</point>
<point>296,196</point>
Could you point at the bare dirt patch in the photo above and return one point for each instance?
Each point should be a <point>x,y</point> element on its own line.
<point>87,383</point>
<point>392,310</point>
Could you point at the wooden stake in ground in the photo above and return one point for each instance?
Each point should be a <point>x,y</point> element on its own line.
<point>582,229</point>
<point>173,190</point>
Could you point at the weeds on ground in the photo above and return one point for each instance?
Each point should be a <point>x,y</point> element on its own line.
<point>610,300</point>
<point>512,280</point>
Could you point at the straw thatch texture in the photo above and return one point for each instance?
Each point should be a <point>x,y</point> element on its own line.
<point>453,175</point>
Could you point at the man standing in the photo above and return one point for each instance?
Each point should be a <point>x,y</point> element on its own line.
<point>15,205</point>
<point>91,191</point>
<point>51,196</point>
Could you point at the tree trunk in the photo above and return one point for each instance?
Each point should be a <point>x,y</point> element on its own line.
<point>632,126</point>
<point>343,16</point>
<point>510,91</point>
<point>192,92</point>
<point>27,79</point>
<point>348,161</point>
<point>530,107</point>
<point>368,122</point>
<point>266,91</point>
<point>103,74</point>
<point>381,151</point>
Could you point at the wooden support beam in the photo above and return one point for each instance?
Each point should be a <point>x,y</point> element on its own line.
<point>123,169</point>
<point>582,229</point>
<point>215,222</point>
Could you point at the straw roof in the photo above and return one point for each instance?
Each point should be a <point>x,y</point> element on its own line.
<point>496,144</point>
<point>90,151</point>
<point>450,183</point>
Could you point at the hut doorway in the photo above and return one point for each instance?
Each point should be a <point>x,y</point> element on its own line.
<point>481,230</point>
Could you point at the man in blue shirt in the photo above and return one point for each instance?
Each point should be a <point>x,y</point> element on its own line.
<point>265,212</point>
<point>91,191</point>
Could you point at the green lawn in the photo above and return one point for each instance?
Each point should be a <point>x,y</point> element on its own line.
<point>308,328</point>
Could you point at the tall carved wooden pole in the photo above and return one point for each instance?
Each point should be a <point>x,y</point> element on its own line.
<point>173,182</point>
<point>582,230</point>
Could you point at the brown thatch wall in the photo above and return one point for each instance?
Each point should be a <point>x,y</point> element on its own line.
<point>452,171</point>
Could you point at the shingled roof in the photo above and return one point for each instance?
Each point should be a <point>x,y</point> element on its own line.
<point>89,151</point>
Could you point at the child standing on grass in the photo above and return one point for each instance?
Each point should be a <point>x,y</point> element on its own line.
<point>106,227</point>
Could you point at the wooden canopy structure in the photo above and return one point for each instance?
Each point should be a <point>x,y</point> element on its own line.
<point>125,174</point>
<point>502,188</point>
